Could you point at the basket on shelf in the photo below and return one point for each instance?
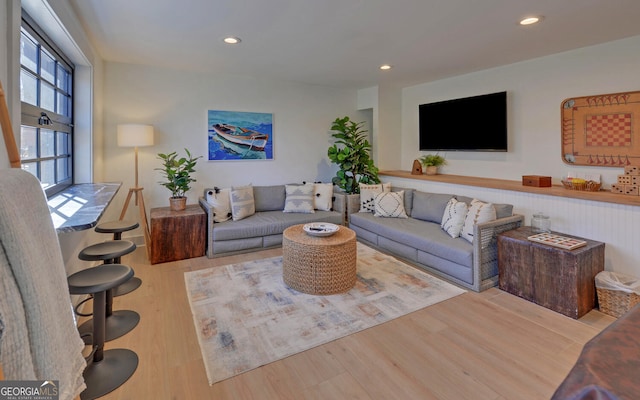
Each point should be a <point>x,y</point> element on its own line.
<point>615,302</point>
<point>588,186</point>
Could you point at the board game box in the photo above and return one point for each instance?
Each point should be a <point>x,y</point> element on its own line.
<point>562,242</point>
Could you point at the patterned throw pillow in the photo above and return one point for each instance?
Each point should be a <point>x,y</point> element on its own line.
<point>322,196</point>
<point>220,200</point>
<point>478,213</point>
<point>369,192</point>
<point>242,202</point>
<point>453,218</point>
<point>299,199</point>
<point>390,205</point>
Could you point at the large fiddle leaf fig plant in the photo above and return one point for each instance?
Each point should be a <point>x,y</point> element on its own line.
<point>352,153</point>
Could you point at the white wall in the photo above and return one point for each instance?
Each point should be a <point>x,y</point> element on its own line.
<point>536,88</point>
<point>176,104</point>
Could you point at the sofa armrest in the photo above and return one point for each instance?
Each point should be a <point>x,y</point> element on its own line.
<point>338,203</point>
<point>208,209</point>
<point>485,249</point>
<point>347,204</point>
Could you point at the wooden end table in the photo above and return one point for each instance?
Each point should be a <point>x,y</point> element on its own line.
<point>319,265</point>
<point>177,235</point>
<point>555,278</point>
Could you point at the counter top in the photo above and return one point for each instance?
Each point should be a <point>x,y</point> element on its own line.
<point>80,206</point>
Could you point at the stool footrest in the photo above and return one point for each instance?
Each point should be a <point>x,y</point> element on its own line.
<point>127,287</point>
<point>80,304</point>
<point>117,324</point>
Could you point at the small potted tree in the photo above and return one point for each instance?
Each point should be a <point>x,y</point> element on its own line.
<point>177,173</point>
<point>431,162</point>
<point>352,153</point>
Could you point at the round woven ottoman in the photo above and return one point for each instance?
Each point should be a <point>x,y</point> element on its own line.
<point>319,265</point>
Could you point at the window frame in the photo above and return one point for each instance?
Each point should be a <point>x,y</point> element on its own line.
<point>33,116</point>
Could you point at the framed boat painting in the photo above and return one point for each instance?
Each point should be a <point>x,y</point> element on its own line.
<point>237,135</point>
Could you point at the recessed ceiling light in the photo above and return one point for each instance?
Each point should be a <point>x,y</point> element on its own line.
<point>232,40</point>
<point>530,20</point>
<point>385,67</point>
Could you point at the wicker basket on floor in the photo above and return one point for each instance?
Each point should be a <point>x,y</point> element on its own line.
<point>616,302</point>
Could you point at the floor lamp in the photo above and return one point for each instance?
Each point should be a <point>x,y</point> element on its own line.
<point>133,135</point>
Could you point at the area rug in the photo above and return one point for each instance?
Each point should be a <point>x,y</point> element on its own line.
<point>246,317</point>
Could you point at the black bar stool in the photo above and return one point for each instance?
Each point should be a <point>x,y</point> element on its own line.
<point>117,322</point>
<point>106,369</point>
<point>117,228</point>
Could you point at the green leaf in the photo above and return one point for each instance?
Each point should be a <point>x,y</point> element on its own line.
<point>177,172</point>
<point>351,153</point>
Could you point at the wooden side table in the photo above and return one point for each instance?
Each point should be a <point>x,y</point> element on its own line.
<point>177,235</point>
<point>558,279</point>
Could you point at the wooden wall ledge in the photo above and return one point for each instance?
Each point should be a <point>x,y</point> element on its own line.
<point>516,186</point>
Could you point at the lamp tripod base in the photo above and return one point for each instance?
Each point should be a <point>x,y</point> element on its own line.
<point>139,200</point>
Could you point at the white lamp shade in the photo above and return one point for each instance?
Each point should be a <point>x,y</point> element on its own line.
<point>133,135</point>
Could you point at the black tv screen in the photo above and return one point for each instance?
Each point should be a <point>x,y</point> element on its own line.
<point>477,123</point>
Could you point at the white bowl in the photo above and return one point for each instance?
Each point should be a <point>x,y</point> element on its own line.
<point>321,228</point>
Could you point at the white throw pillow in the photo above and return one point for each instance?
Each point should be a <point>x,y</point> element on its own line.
<point>322,196</point>
<point>242,202</point>
<point>299,199</point>
<point>220,201</point>
<point>454,216</point>
<point>368,194</point>
<point>390,205</point>
<point>478,213</point>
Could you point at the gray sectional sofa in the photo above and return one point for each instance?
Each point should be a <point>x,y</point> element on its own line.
<point>420,240</point>
<point>263,229</point>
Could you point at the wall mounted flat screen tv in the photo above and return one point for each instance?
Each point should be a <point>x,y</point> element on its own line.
<point>477,123</point>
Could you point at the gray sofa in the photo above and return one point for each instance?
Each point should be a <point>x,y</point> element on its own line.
<point>421,241</point>
<point>263,229</point>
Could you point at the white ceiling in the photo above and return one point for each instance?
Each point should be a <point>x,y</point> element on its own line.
<point>343,42</point>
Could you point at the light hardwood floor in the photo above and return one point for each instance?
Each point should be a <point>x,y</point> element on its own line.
<point>490,345</point>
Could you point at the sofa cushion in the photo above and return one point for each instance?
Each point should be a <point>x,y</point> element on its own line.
<point>429,206</point>
<point>299,199</point>
<point>368,193</point>
<point>446,267</point>
<point>269,198</point>
<point>425,236</point>
<point>269,223</point>
<point>466,199</point>
<point>453,218</point>
<point>322,196</point>
<point>408,198</point>
<point>478,213</point>
<point>242,202</point>
<point>390,205</point>
<point>220,201</point>
<point>502,210</point>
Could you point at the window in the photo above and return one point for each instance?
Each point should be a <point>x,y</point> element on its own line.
<point>46,131</point>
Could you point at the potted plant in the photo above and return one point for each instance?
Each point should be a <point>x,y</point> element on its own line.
<point>431,162</point>
<point>352,153</point>
<point>177,172</point>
